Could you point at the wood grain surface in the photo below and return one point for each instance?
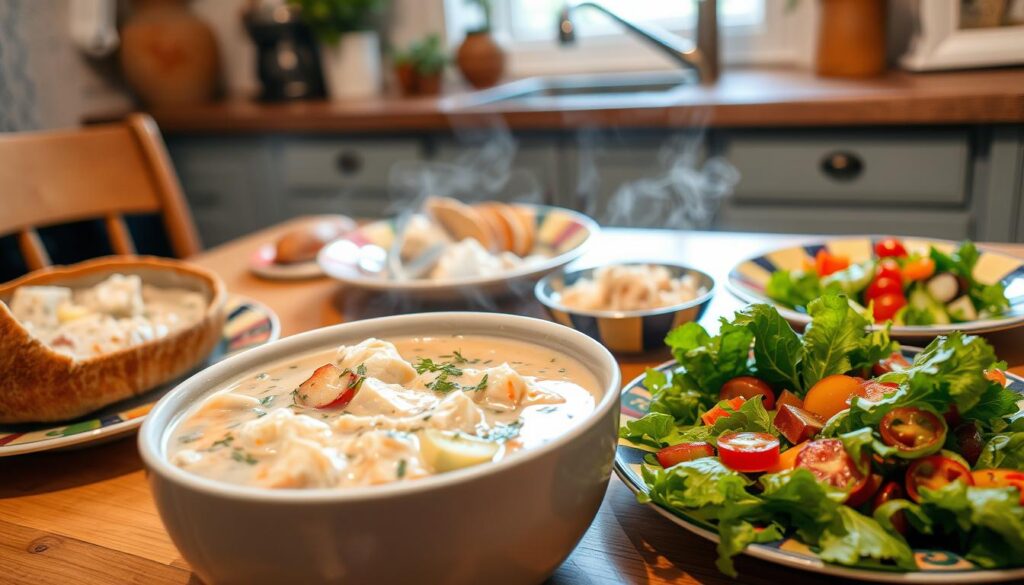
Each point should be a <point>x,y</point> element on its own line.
<point>742,97</point>
<point>86,515</point>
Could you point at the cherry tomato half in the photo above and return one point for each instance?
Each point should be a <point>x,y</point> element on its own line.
<point>892,491</point>
<point>830,395</point>
<point>1000,478</point>
<point>996,375</point>
<point>883,285</point>
<point>718,411</point>
<point>748,452</point>
<point>889,268</point>
<point>669,456</point>
<point>914,432</point>
<point>826,263</point>
<point>890,248</point>
<point>894,363</point>
<point>886,306</point>
<point>828,460</point>
<point>748,387</point>
<point>933,472</point>
<point>865,491</point>
<point>918,269</point>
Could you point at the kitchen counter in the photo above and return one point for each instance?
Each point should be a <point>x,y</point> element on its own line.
<point>741,98</point>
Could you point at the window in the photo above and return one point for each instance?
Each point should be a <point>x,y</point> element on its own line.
<point>751,31</point>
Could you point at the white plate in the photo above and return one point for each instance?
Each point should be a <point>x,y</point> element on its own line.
<point>562,234</point>
<point>747,280</point>
<point>935,566</point>
<point>248,324</point>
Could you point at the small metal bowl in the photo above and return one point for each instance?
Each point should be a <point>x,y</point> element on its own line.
<point>624,331</point>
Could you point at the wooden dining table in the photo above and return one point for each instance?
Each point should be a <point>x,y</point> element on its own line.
<point>86,515</point>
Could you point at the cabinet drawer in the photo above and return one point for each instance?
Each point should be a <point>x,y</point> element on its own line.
<point>355,163</point>
<point>923,167</point>
<point>951,224</point>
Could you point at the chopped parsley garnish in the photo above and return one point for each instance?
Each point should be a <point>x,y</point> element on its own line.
<point>191,437</point>
<point>429,365</point>
<point>361,370</point>
<point>243,457</point>
<point>401,468</point>
<point>481,386</point>
<point>223,441</point>
<point>267,400</point>
<point>503,432</point>
<point>260,413</point>
<point>262,376</point>
<point>442,384</point>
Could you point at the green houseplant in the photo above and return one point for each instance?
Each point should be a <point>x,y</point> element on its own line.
<point>419,68</point>
<point>349,44</point>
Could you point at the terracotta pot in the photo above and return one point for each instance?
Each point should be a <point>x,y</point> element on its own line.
<point>169,56</point>
<point>429,84</point>
<point>851,41</point>
<point>480,59</point>
<point>405,73</point>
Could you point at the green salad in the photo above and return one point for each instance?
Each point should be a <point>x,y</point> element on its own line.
<point>836,440</point>
<point>908,288</point>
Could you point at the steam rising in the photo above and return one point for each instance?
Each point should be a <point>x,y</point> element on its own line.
<point>683,195</point>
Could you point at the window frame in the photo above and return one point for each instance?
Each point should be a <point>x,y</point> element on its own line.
<point>780,40</point>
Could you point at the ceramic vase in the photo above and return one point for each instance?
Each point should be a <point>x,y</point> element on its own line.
<point>352,65</point>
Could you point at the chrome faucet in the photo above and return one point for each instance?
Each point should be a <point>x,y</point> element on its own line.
<point>702,57</point>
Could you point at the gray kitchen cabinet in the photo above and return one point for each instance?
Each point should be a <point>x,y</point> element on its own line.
<point>228,183</point>
<point>948,182</point>
<point>626,177</point>
<point>894,167</point>
<point>348,175</point>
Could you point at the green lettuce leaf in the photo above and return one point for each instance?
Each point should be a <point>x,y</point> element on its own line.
<point>702,483</point>
<point>990,520</point>
<point>853,537</point>
<point>750,416</point>
<point>835,330</point>
<point>777,348</point>
<point>655,430</point>
<point>794,288</point>
<point>951,368</point>
<point>669,397</point>
<point>1004,450</point>
<point>707,362</point>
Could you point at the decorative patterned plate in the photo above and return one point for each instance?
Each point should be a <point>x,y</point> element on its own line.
<point>248,324</point>
<point>935,566</point>
<point>562,234</point>
<point>262,264</point>
<point>747,280</point>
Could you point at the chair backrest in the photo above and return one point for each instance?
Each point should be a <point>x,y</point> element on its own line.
<point>97,172</point>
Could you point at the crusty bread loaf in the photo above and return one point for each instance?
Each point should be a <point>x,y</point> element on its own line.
<point>302,243</point>
<point>38,384</point>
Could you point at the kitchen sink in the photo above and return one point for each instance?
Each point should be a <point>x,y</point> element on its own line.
<point>566,89</point>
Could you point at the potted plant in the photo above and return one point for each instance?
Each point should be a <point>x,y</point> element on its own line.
<point>349,44</point>
<point>481,60</point>
<point>419,67</point>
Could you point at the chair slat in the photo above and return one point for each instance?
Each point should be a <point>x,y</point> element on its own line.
<point>120,237</point>
<point>32,249</point>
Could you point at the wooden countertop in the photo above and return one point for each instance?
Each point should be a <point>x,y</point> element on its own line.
<point>87,516</point>
<point>742,97</point>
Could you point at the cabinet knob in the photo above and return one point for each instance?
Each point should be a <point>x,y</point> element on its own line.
<point>349,163</point>
<point>842,165</point>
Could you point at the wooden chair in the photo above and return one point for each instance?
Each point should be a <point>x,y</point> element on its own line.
<point>98,172</point>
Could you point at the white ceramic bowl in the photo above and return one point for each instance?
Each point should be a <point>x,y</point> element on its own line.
<point>510,522</point>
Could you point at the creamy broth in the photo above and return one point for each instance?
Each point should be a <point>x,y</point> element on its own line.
<point>418,406</point>
<point>114,314</point>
